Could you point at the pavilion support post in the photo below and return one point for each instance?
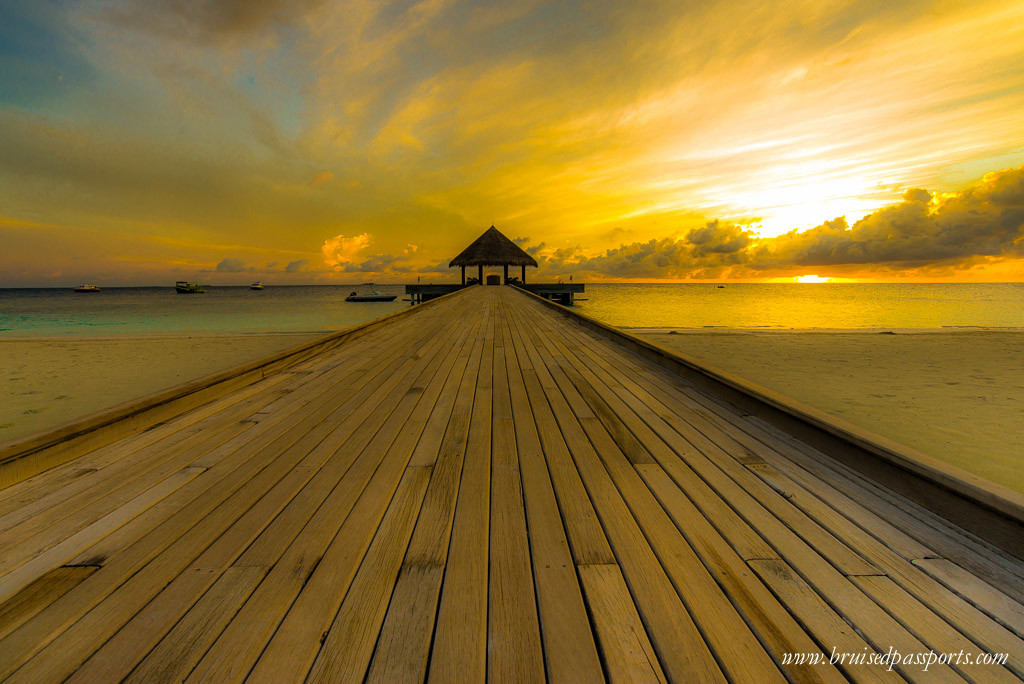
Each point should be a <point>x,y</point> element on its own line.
<point>505,281</point>
<point>463,275</point>
<point>524,274</point>
<point>480,272</point>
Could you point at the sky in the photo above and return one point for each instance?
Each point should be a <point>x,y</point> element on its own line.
<point>317,141</point>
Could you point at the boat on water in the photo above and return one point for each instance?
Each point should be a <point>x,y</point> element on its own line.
<point>87,288</point>
<point>256,286</point>
<point>182,287</point>
<point>371,296</point>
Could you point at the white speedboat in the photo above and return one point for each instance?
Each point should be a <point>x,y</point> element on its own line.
<point>371,296</point>
<point>87,288</point>
<point>256,286</point>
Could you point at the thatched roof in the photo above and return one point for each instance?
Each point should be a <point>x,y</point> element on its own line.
<point>493,249</point>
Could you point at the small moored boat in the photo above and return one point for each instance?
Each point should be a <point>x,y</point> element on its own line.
<point>372,296</point>
<point>182,287</point>
<point>256,286</point>
<point>87,288</point>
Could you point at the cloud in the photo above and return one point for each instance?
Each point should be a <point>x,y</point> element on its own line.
<point>339,251</point>
<point>296,266</point>
<point>411,249</point>
<point>206,21</point>
<point>717,238</point>
<point>232,266</point>
<point>321,178</point>
<point>379,263</point>
<point>986,220</point>
<point>923,230</point>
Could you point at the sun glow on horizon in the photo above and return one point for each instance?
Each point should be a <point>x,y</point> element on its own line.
<point>811,279</point>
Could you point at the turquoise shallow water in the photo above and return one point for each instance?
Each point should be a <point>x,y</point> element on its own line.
<point>160,310</point>
<point>232,310</point>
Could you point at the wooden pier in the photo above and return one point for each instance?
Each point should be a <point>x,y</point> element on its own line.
<point>487,488</point>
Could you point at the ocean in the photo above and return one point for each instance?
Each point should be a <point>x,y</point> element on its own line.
<point>117,311</point>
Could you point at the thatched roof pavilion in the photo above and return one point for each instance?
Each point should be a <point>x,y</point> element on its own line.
<point>493,249</point>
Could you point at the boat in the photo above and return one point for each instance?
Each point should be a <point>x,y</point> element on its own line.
<point>256,286</point>
<point>372,296</point>
<point>87,288</point>
<point>182,287</point>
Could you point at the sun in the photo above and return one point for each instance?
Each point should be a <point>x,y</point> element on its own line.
<point>811,279</point>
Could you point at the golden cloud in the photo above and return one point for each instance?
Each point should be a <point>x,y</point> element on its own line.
<point>340,250</point>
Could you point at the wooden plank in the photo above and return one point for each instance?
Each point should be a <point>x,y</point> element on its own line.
<point>404,644</point>
<point>569,649</point>
<point>39,492</point>
<point>959,613</point>
<point>681,649</point>
<point>587,539</point>
<point>736,646</point>
<point>876,624</point>
<point>929,628</point>
<point>459,650</point>
<point>628,654</point>
<point>514,651</point>
<point>203,517</point>
<point>988,561</point>
<point>746,487</point>
<point>53,557</point>
<point>119,654</point>
<point>345,652</point>
<point>45,589</point>
<point>775,626</point>
<point>833,634</point>
<point>53,517</point>
<point>30,455</point>
<point>164,662</point>
<point>295,642</point>
<point>996,604</point>
<point>951,607</point>
<point>353,506</point>
<point>939,537</point>
<point>325,389</point>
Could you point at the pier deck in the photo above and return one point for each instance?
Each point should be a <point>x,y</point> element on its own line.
<point>483,489</point>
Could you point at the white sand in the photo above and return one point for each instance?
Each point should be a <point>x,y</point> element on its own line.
<point>957,396</point>
<point>47,382</point>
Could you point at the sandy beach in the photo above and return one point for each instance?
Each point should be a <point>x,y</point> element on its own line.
<point>955,395</point>
<point>49,381</point>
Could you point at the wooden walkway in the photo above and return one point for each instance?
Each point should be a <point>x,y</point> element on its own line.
<point>483,490</point>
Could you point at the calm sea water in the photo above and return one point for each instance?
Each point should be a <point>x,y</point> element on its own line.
<point>159,310</point>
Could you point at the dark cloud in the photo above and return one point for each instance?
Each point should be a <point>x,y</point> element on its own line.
<point>296,266</point>
<point>232,266</point>
<point>438,267</point>
<point>715,246</point>
<point>532,251</point>
<point>717,238</point>
<point>206,21</point>
<point>379,263</point>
